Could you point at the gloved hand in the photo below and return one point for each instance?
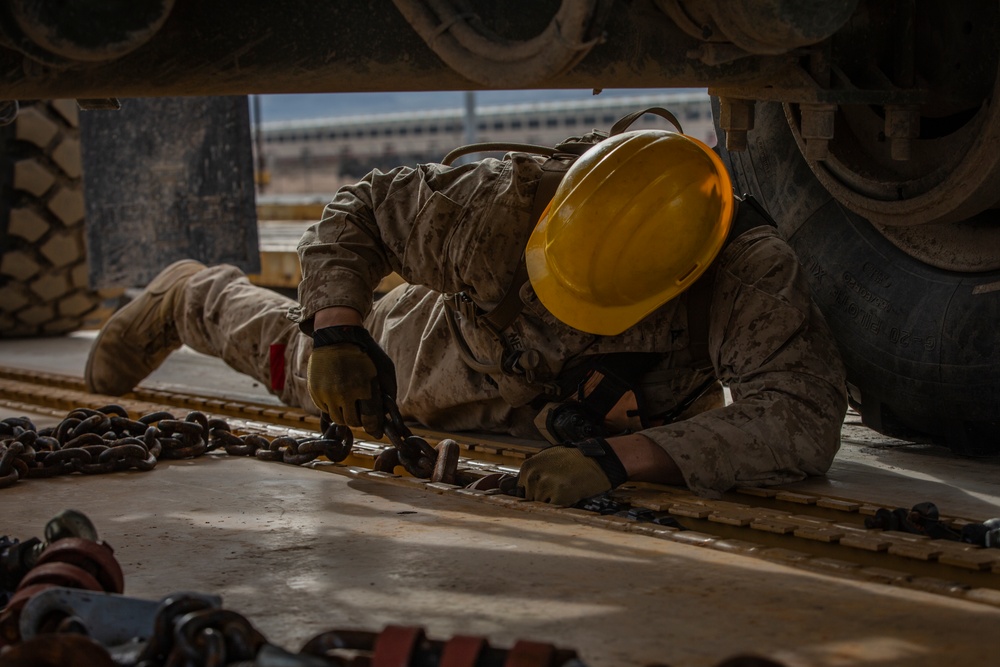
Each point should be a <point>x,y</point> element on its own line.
<point>349,374</point>
<point>564,475</point>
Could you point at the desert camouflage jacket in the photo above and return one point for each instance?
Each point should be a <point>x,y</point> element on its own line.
<point>449,230</point>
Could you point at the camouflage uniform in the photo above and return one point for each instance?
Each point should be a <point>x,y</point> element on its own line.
<point>463,230</point>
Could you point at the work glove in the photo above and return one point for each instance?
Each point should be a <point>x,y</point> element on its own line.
<point>350,377</point>
<point>566,474</point>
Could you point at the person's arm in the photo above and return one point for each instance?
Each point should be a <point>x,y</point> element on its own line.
<point>644,460</point>
<point>346,253</point>
<point>771,344</point>
<point>788,383</point>
<point>566,474</point>
<point>337,316</point>
<point>401,221</point>
<point>397,221</point>
<point>361,237</point>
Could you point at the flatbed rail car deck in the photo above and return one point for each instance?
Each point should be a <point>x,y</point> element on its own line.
<point>790,573</point>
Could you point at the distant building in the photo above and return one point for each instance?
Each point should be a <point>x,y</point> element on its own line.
<point>319,155</point>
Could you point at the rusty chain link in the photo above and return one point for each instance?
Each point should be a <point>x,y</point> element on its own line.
<point>107,440</point>
<point>409,645</point>
<point>190,630</point>
<point>217,637</point>
<point>439,464</point>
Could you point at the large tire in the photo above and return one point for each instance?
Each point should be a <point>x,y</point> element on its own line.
<point>43,268</point>
<point>921,344</point>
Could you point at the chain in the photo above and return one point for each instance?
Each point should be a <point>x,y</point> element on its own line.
<point>439,464</point>
<point>924,519</point>
<point>190,630</point>
<point>107,440</point>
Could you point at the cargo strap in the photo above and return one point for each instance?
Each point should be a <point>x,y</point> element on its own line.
<point>625,122</point>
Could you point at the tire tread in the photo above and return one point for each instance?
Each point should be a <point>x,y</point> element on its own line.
<point>43,268</point>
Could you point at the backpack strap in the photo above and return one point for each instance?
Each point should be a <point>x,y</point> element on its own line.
<point>497,147</point>
<point>625,122</point>
<point>699,303</point>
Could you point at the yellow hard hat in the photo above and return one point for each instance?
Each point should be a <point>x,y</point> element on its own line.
<point>635,222</point>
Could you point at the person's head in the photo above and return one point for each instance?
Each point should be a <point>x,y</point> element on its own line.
<point>635,222</point>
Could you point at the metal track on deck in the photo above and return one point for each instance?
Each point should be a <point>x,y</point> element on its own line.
<point>818,533</point>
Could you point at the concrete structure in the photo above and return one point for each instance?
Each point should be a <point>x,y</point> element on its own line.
<point>319,155</point>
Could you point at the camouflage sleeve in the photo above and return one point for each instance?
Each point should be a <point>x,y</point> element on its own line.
<point>771,345</point>
<point>394,221</point>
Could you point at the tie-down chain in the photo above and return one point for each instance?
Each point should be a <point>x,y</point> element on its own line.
<point>107,440</point>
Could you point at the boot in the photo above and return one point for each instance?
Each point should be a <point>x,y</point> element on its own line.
<point>139,337</point>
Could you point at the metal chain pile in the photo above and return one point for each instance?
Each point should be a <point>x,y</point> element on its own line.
<point>107,440</point>
<point>63,607</point>
<point>192,631</point>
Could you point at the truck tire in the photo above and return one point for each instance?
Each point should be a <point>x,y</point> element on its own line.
<point>43,267</point>
<point>921,343</point>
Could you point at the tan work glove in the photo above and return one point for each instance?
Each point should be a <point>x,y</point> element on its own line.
<point>349,377</point>
<point>565,475</point>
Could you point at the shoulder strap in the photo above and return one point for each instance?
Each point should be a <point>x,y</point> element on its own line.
<point>699,304</point>
<point>496,147</point>
<point>752,215</point>
<point>625,122</point>
<point>573,146</point>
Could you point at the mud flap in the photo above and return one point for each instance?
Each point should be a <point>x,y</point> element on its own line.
<point>168,179</point>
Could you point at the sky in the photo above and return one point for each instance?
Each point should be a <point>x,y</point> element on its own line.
<point>331,105</point>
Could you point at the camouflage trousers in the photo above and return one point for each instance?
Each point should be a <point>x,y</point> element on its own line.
<point>223,315</point>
